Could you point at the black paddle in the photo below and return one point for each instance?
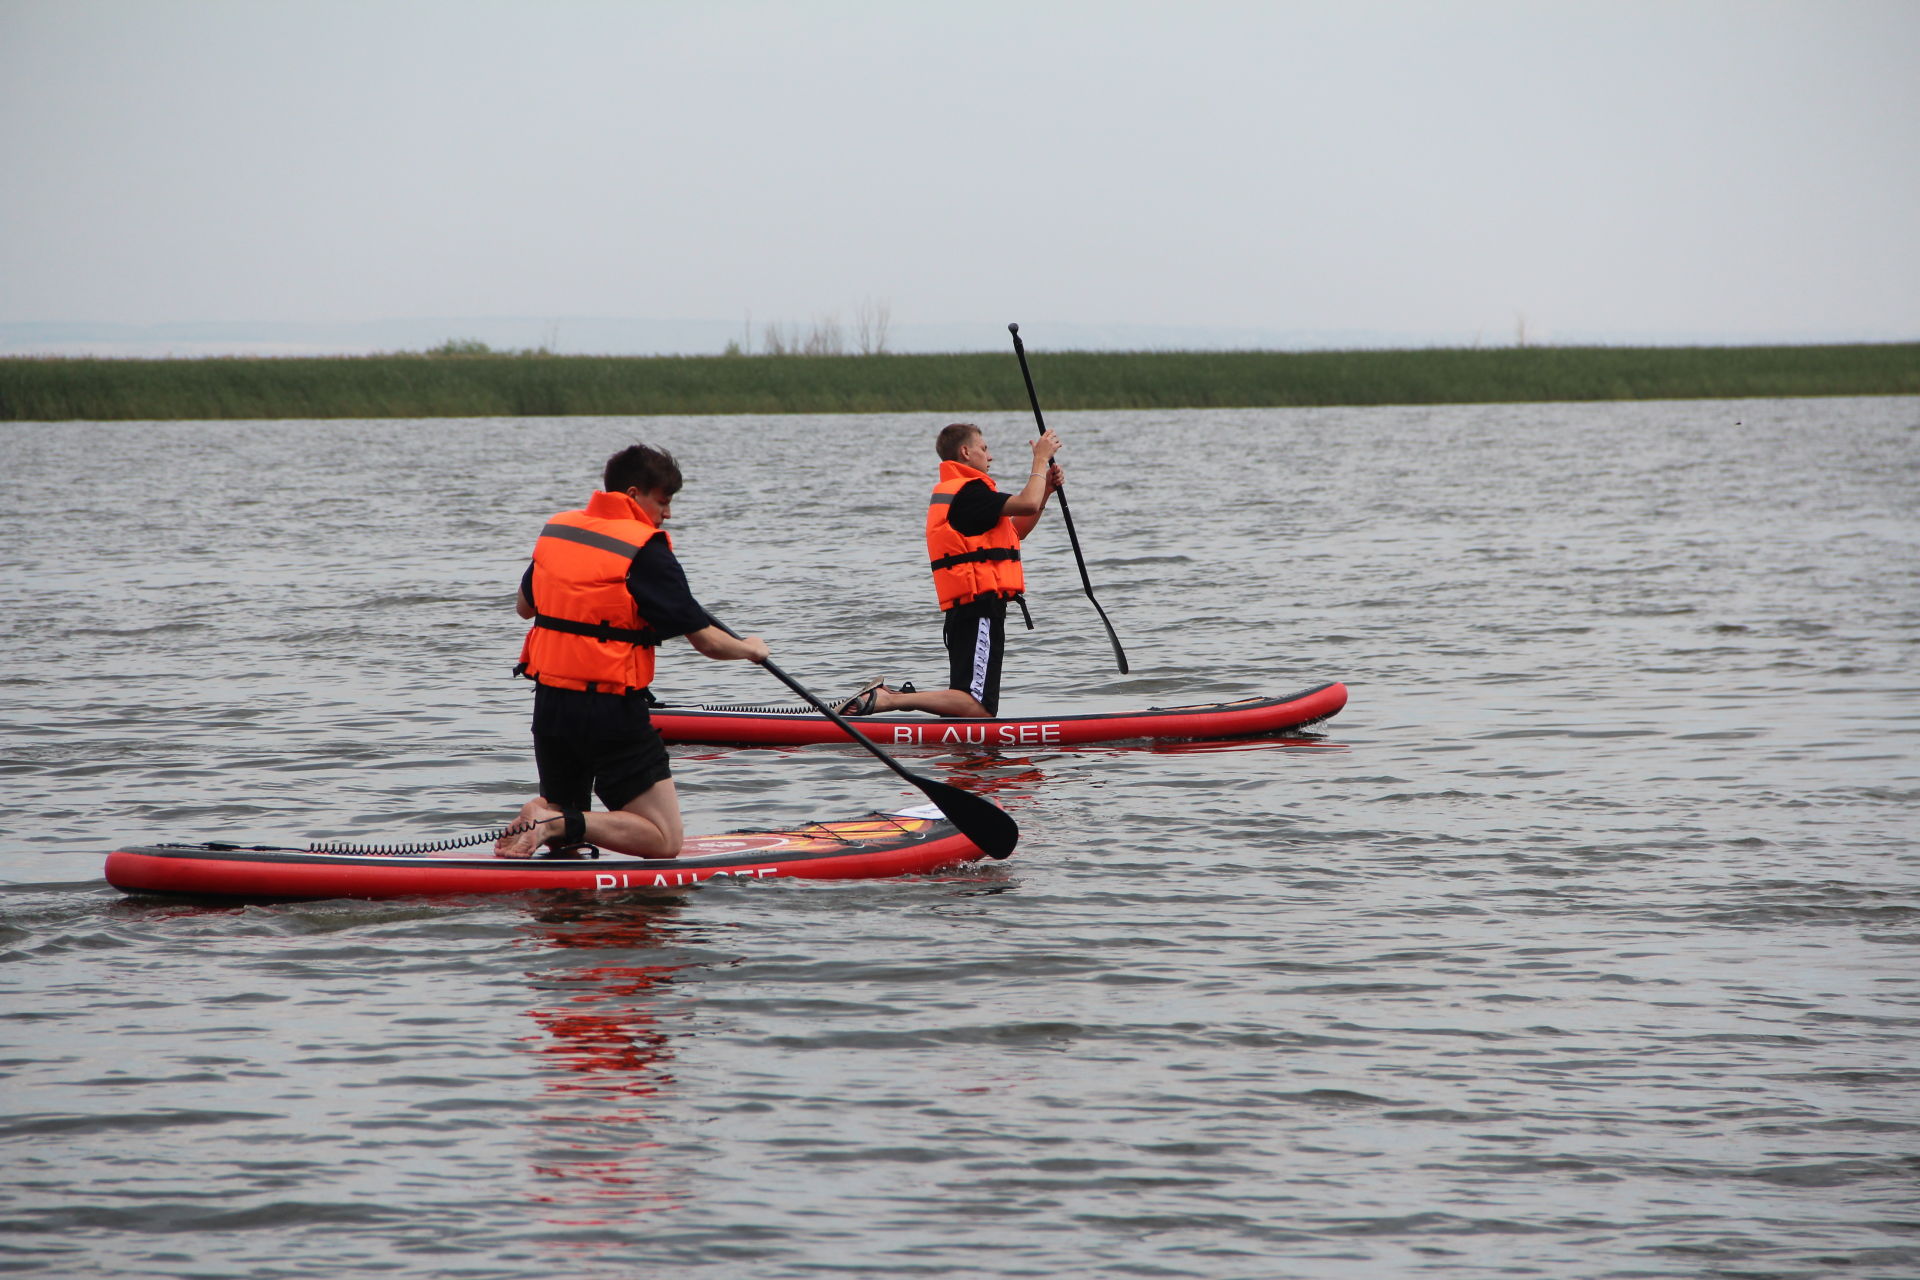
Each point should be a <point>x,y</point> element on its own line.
<point>1066,514</point>
<point>990,828</point>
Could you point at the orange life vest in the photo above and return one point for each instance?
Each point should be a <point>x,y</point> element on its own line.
<point>587,633</point>
<point>966,568</point>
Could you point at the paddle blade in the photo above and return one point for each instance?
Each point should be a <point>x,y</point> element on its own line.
<point>992,830</point>
<point>1119,654</point>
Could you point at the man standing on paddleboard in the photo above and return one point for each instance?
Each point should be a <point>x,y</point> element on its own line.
<point>603,591</point>
<point>973,544</point>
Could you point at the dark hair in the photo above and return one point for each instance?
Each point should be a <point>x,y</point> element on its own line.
<point>953,438</point>
<point>644,468</point>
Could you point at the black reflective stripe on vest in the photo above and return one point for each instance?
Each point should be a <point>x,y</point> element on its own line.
<point>941,500</point>
<point>977,557</point>
<point>598,630</point>
<point>588,538</point>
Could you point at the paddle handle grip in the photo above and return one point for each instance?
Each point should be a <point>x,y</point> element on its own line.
<point>1020,349</point>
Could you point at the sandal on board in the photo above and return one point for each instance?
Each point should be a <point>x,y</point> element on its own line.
<point>861,703</point>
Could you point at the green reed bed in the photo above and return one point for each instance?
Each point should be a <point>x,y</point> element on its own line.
<point>407,386</point>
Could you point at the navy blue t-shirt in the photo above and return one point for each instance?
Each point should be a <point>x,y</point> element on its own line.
<point>659,588</point>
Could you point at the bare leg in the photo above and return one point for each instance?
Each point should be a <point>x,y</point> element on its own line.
<point>955,703</point>
<point>648,827</point>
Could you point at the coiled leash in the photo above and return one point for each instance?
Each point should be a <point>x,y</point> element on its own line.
<point>570,843</point>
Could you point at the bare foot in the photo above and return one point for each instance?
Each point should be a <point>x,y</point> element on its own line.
<point>521,844</point>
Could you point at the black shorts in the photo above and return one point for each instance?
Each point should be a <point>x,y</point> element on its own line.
<point>976,635</point>
<point>600,744</point>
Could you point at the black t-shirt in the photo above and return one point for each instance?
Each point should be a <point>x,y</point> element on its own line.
<point>976,508</point>
<point>659,588</point>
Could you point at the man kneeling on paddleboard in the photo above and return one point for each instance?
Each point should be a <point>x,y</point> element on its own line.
<point>604,590</point>
<point>973,543</point>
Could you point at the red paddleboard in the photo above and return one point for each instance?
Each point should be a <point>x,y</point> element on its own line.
<point>802,725</point>
<point>908,842</point>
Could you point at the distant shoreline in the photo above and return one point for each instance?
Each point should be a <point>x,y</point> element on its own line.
<point>537,384</point>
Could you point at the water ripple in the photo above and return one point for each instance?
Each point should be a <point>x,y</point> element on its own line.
<point>1577,946</point>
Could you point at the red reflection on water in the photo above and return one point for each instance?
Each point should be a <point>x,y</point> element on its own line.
<point>611,1051</point>
<point>988,773</point>
<point>609,1055</point>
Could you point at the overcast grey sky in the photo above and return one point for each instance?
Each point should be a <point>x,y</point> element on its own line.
<point>1609,170</point>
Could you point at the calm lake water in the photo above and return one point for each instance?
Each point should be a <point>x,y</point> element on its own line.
<point>1585,943</point>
